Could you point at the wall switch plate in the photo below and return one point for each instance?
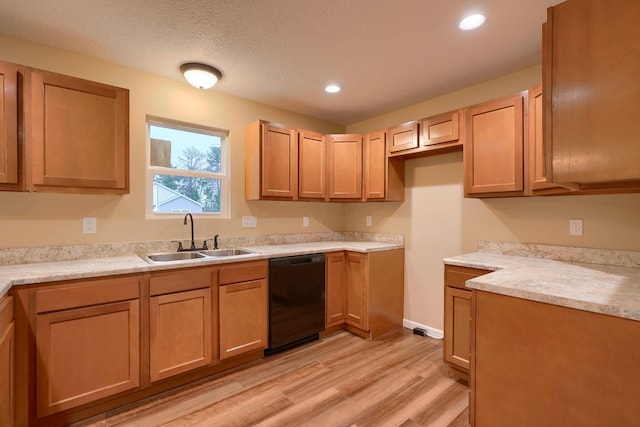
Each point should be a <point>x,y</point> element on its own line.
<point>249,222</point>
<point>575,227</point>
<point>369,221</point>
<point>305,221</point>
<point>89,225</point>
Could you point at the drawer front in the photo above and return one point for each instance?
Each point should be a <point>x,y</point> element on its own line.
<point>80,294</point>
<point>184,280</point>
<point>243,272</point>
<point>456,276</point>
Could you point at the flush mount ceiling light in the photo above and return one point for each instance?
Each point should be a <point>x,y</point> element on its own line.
<point>470,22</point>
<point>200,75</point>
<point>332,89</point>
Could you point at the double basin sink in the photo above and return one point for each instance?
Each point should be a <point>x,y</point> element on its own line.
<point>191,255</point>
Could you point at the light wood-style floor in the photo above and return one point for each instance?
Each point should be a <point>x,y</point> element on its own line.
<point>340,380</point>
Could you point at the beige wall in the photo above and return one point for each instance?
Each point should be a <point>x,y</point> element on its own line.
<point>438,222</point>
<point>39,219</point>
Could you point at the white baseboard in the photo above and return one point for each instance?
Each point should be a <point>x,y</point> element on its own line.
<point>432,332</point>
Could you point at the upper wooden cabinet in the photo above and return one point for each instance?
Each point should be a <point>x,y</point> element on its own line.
<point>283,163</point>
<point>440,129</point>
<point>345,166</point>
<point>403,137</point>
<point>539,184</point>
<point>591,94</point>
<point>9,154</point>
<point>494,148</point>
<point>76,134</point>
<point>312,166</point>
<point>271,161</point>
<point>375,165</point>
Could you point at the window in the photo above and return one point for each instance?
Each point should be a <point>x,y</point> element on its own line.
<point>187,169</point>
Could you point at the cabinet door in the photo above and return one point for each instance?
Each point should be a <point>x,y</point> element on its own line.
<point>345,166</point>
<point>8,126</point>
<point>336,295</point>
<point>312,170</point>
<point>78,134</point>
<point>357,292</point>
<point>243,317</point>
<point>180,332</point>
<point>493,151</point>
<point>279,162</point>
<point>457,315</point>
<point>538,182</point>
<point>375,165</point>
<point>86,354</point>
<point>440,129</point>
<point>403,137</point>
<point>7,362</point>
<point>592,96</point>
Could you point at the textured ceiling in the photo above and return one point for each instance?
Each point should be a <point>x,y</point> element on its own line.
<point>386,54</point>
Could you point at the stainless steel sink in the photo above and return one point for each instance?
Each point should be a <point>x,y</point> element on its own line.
<point>225,252</point>
<point>172,256</point>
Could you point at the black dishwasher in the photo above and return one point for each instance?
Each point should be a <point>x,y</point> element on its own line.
<point>296,300</point>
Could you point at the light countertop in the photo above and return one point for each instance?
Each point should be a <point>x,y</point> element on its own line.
<point>21,274</point>
<point>604,289</point>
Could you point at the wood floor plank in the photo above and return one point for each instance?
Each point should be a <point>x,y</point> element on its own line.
<point>340,380</point>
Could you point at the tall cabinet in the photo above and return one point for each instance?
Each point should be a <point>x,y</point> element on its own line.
<point>591,94</point>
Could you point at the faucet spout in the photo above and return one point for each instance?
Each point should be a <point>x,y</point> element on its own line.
<point>193,243</point>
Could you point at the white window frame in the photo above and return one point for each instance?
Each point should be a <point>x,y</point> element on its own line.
<point>224,175</point>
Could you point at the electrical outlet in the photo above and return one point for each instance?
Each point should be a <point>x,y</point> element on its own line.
<point>89,225</point>
<point>305,221</point>
<point>575,227</point>
<point>249,222</point>
<point>369,221</point>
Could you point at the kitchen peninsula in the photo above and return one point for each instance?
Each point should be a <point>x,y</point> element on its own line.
<point>553,342</point>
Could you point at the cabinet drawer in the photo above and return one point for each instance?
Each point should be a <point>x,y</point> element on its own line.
<point>184,280</point>
<point>456,276</point>
<point>80,294</point>
<point>243,272</point>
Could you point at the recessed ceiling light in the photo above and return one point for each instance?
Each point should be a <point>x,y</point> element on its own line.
<point>470,22</point>
<point>332,89</point>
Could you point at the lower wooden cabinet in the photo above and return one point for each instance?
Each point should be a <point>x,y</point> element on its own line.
<point>7,362</point>
<point>243,308</point>
<point>336,295</point>
<point>86,342</point>
<point>457,316</point>
<point>180,322</point>
<point>537,364</point>
<point>369,300</point>
<point>357,272</point>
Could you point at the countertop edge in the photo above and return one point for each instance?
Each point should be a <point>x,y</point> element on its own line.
<point>609,290</point>
<point>33,274</point>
